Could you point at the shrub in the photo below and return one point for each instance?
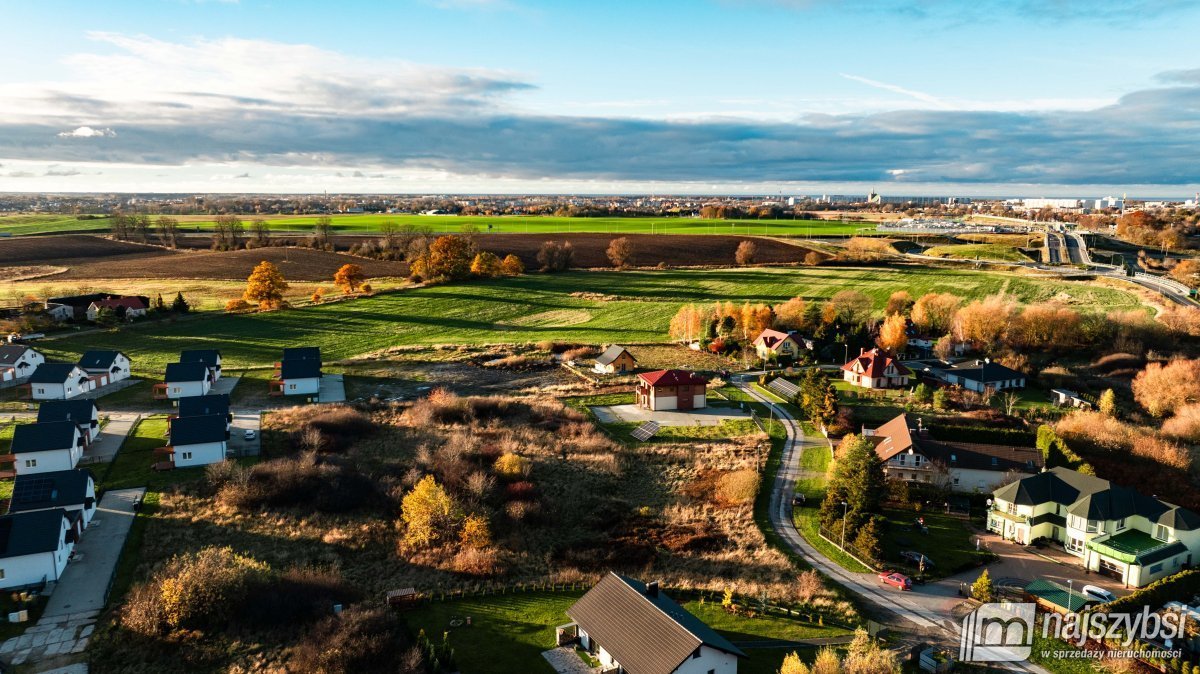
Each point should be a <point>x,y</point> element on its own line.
<point>207,588</point>
<point>982,589</point>
<point>746,252</point>
<point>326,484</point>
<point>1185,425</point>
<point>481,562</point>
<point>580,353</point>
<point>358,641</point>
<point>475,532</point>
<point>739,486</point>
<point>237,306</point>
<point>512,466</point>
<point>441,406</point>
<point>512,265</point>
<point>523,490</point>
<point>430,514</point>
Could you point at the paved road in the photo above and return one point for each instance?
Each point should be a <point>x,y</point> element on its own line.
<point>1074,255</point>
<point>242,422</point>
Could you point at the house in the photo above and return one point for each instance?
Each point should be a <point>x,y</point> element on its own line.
<point>184,379</point>
<point>127,308</point>
<point>196,441</point>
<point>616,359</point>
<point>875,369</point>
<point>1065,398</point>
<point>46,447</point>
<point>59,313</point>
<point>18,361</point>
<point>71,490</point>
<point>776,345</point>
<point>58,381</point>
<point>83,413</point>
<point>34,547</point>
<point>909,453</point>
<point>631,626</point>
<point>302,353</point>
<point>206,405</point>
<point>297,377</point>
<point>981,376</point>
<point>79,304</point>
<point>211,358</point>
<point>671,390</point>
<point>105,367</point>
<point>1114,531</point>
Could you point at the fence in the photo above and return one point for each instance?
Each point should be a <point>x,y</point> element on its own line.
<point>829,536</point>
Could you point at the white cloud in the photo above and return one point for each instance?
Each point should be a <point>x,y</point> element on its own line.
<point>88,132</point>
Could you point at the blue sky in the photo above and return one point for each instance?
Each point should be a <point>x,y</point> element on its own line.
<point>724,96</point>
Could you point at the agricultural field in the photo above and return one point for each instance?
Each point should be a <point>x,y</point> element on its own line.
<point>979,251</point>
<point>18,225</point>
<point>578,307</point>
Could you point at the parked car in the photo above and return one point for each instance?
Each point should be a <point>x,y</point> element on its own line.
<point>1098,594</point>
<point>896,580</point>
<point>250,434</point>
<point>913,557</point>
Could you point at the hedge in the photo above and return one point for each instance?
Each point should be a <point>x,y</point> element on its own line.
<point>1181,586</point>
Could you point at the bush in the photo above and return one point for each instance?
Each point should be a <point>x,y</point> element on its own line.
<point>359,641</point>
<point>580,353</point>
<point>197,590</point>
<point>441,406</point>
<point>237,306</point>
<point>1182,584</point>
<point>737,487</point>
<point>523,490</point>
<point>325,484</point>
<point>512,466</point>
<point>482,562</point>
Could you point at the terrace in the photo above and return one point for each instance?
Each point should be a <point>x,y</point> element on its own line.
<point>1134,547</point>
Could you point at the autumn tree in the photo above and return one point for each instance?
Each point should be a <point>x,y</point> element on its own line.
<point>485,265</point>
<point>1049,325</point>
<point>851,307</point>
<point>448,259</point>
<point>933,313</point>
<point>1187,272</point>
<point>688,323</point>
<point>982,589</point>
<point>1161,389</point>
<point>791,314</point>
<point>556,256</point>
<point>349,278</point>
<point>893,334</point>
<point>265,286</point>
<point>985,322</point>
<point>746,252</point>
<point>813,258</point>
<point>620,252</point>
<point>900,302</point>
<point>1108,403</point>
<point>512,265</point>
<point>753,319</point>
<point>429,513</point>
<point>476,533</point>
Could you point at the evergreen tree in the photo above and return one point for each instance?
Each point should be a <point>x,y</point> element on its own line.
<point>858,480</point>
<point>180,305</point>
<point>982,589</point>
<point>866,543</point>
<point>1108,403</point>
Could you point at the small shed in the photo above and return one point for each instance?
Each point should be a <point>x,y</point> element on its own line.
<point>404,598</point>
<point>1051,596</point>
<point>616,359</point>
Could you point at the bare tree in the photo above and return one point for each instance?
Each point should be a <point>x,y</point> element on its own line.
<point>168,231</point>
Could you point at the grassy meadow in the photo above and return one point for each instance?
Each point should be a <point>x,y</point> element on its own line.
<point>979,251</point>
<point>19,225</point>
<point>585,307</point>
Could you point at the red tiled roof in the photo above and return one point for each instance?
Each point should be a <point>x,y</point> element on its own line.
<point>127,302</point>
<point>770,338</point>
<point>671,378</point>
<point>873,363</point>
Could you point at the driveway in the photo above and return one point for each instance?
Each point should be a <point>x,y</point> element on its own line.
<point>333,389</point>
<point>111,437</point>
<point>242,422</point>
<point>709,416</point>
<point>105,390</point>
<point>84,584</point>
<point>225,385</point>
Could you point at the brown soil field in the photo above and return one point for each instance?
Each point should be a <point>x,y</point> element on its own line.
<point>298,264</point>
<point>63,251</point>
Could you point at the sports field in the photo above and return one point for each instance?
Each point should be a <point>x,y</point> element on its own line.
<point>371,223</point>
<point>586,307</point>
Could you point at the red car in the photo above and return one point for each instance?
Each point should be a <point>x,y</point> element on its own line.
<point>897,580</point>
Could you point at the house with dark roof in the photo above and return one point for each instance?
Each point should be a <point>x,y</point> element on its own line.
<point>18,361</point>
<point>981,376</point>
<point>196,441</point>
<point>83,413</point>
<point>210,357</point>
<point>664,390</point>
<point>46,447</point>
<point>126,308</point>
<point>616,359</point>
<point>1114,530</point>
<point>302,353</point>
<point>875,369</point>
<point>299,376</point>
<point>631,626</point>
<point>910,453</point>
<point>776,345</point>
<point>105,367</point>
<point>79,304</point>
<point>71,490</point>
<point>57,381</point>
<point>206,405</point>
<point>34,547</point>
<point>184,379</point>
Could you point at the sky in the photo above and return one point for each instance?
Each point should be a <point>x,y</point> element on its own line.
<point>976,98</point>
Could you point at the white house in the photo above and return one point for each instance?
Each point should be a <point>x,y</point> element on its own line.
<point>18,361</point>
<point>58,381</point>
<point>1067,398</point>
<point>128,308</point>
<point>197,441</point>
<point>83,413</point>
<point>184,379</point>
<point>298,377</point>
<point>980,376</point>
<point>71,490</point>
<point>105,367</point>
<point>34,547</point>
<point>773,344</point>
<point>635,627</point>
<point>211,358</point>
<point>875,369</point>
<point>45,448</point>
<point>60,313</point>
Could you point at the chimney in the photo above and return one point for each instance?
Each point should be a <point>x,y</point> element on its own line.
<point>652,588</point>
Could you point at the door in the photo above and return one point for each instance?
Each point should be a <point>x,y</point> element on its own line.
<point>685,398</point>
<point>1112,570</point>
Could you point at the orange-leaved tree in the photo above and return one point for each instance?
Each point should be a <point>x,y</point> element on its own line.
<point>265,286</point>
<point>349,278</point>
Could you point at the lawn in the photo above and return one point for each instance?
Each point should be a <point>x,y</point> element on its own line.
<point>979,251</point>
<point>627,307</point>
<point>509,632</point>
<point>949,543</point>
<point>132,468</point>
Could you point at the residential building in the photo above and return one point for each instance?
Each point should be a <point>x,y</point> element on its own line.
<point>630,626</point>
<point>70,490</point>
<point>910,453</point>
<point>875,369</point>
<point>981,376</point>
<point>34,547</point>
<point>664,390</point>
<point>184,379</point>
<point>59,313</point>
<point>79,304</point>
<point>105,367</point>
<point>18,361</point>
<point>1067,398</point>
<point>46,447</point>
<point>211,358</point>
<point>58,381</point>
<point>206,405</point>
<point>83,413</point>
<point>1114,531</point>
<point>196,441</point>
<point>297,377</point>
<point>776,345</point>
<point>127,308</point>
<point>302,353</point>
<point>616,359</point>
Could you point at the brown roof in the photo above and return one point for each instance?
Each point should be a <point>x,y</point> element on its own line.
<point>646,632</point>
<point>671,378</point>
<point>873,363</point>
<point>896,437</point>
<point>773,338</point>
<point>127,302</point>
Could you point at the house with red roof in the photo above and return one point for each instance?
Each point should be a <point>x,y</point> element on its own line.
<point>128,308</point>
<point>875,369</point>
<point>773,345</point>
<point>664,390</point>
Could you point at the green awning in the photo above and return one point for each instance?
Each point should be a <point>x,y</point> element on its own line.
<point>1059,595</point>
<point>1129,546</point>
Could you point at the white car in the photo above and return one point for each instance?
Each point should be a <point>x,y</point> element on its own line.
<point>249,435</point>
<point>1098,594</point>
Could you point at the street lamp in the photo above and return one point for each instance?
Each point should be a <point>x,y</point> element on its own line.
<point>845,513</point>
<point>1070,593</point>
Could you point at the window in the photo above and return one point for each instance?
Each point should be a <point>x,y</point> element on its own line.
<point>995,461</point>
<point>1,574</point>
<point>187,456</point>
<point>1120,524</point>
<point>696,653</point>
<point>1093,526</point>
<point>41,390</point>
<point>1161,533</point>
<point>31,463</point>
<point>1075,544</point>
<point>1012,508</point>
<point>917,459</point>
<point>956,480</point>
<point>1156,568</point>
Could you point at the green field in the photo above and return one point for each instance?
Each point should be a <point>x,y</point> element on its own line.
<point>541,307</point>
<point>979,251</point>
<point>510,224</point>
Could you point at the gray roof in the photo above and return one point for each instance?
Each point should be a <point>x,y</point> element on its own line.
<point>199,406</point>
<point>56,489</point>
<point>1161,553</point>
<point>981,371</point>
<point>43,437</point>
<point>52,373</point>
<point>184,372</point>
<point>79,411</point>
<point>10,353</point>
<point>1093,498</point>
<point>99,360</point>
<point>31,533</point>
<point>198,430</point>
<point>645,633</point>
<point>300,369</point>
<point>207,356</point>
<point>611,353</point>
<point>302,353</point>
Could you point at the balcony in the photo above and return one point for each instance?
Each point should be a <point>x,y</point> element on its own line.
<point>1004,514</point>
<point>160,392</point>
<point>1135,547</point>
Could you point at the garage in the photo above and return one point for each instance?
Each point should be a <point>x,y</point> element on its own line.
<point>1114,570</point>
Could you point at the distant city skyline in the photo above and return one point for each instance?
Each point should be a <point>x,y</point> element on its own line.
<point>739,97</point>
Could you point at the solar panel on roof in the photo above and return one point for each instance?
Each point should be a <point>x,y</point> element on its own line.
<point>35,490</point>
<point>784,388</point>
<point>646,431</point>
